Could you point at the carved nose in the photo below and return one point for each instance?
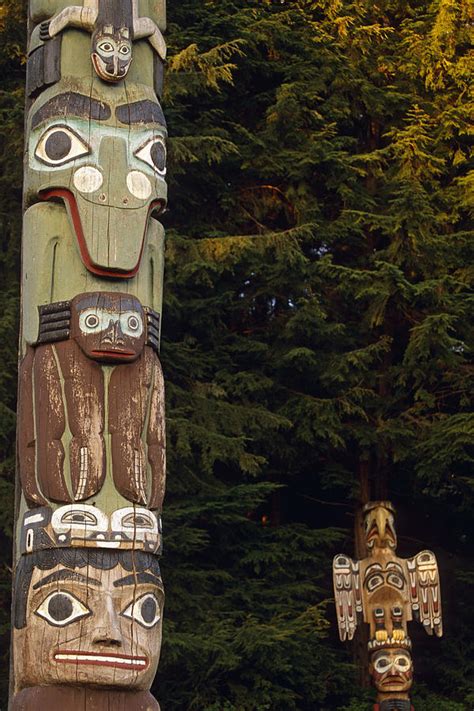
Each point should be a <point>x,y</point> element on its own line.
<point>114,333</point>
<point>109,633</point>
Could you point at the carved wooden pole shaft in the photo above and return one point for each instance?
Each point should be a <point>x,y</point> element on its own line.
<point>88,595</point>
<point>387,592</point>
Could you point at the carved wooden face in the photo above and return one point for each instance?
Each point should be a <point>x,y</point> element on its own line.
<point>111,53</point>
<point>96,625</point>
<point>105,157</point>
<point>391,670</point>
<point>108,327</point>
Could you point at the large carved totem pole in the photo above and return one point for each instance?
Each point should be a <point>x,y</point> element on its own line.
<point>88,595</point>
<point>386,592</point>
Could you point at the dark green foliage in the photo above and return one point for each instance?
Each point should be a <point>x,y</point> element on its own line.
<point>316,334</point>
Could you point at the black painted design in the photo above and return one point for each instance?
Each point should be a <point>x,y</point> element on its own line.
<point>43,67</point>
<point>73,558</point>
<point>72,104</point>
<point>54,322</point>
<point>140,112</point>
<point>395,705</point>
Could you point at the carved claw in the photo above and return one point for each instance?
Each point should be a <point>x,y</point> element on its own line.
<point>44,30</point>
<point>381,635</point>
<point>398,634</point>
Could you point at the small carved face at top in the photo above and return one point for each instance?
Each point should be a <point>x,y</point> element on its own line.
<point>392,670</point>
<point>111,53</point>
<point>108,327</point>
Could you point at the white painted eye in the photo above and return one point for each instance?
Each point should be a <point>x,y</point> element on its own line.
<point>145,611</point>
<point>62,608</point>
<point>131,324</point>
<point>59,145</point>
<point>94,320</point>
<point>154,153</point>
<point>402,663</point>
<point>105,47</point>
<point>124,49</point>
<point>382,664</point>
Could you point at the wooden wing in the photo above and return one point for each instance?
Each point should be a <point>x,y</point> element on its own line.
<point>347,594</point>
<point>425,593</point>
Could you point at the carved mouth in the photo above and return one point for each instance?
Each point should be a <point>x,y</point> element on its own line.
<point>113,354</point>
<point>120,661</point>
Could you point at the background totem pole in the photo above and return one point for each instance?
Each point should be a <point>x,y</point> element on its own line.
<point>88,596</point>
<point>387,592</point>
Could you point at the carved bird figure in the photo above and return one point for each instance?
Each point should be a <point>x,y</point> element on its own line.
<point>383,590</point>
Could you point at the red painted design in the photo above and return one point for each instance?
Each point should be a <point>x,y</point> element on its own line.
<point>126,661</point>
<point>70,201</point>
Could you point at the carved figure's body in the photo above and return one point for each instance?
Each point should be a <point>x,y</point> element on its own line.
<point>74,383</point>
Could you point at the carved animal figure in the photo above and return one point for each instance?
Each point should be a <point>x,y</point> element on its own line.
<point>114,25</point>
<point>94,374</point>
<point>383,590</point>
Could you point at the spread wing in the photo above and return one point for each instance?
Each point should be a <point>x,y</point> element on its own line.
<point>425,593</point>
<point>347,594</point>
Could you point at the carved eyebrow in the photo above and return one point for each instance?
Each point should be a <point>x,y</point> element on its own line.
<point>71,104</point>
<point>66,575</point>
<point>144,111</point>
<point>138,578</point>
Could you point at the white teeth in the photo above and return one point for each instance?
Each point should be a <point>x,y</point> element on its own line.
<point>101,659</point>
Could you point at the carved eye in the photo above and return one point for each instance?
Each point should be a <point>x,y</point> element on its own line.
<point>374,582</point>
<point>382,664</point>
<point>145,610</point>
<point>105,47</point>
<point>62,608</point>
<point>395,580</point>
<point>154,153</point>
<point>131,324</point>
<point>402,663</point>
<point>92,320</point>
<point>59,145</point>
<point>124,49</point>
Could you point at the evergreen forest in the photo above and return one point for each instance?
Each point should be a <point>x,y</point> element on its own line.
<point>317,336</point>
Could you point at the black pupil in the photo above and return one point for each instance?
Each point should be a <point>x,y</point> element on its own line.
<point>60,607</point>
<point>157,153</point>
<point>149,610</point>
<point>58,145</point>
<point>92,321</point>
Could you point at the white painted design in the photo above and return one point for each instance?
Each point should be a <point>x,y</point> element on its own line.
<point>83,471</point>
<point>87,179</point>
<point>101,659</point>
<point>35,518</point>
<point>139,185</point>
<point>80,517</point>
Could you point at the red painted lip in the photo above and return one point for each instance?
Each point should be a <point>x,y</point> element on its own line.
<point>71,203</point>
<point>102,659</point>
<point>114,354</point>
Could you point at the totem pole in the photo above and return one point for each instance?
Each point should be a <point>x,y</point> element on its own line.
<point>387,592</point>
<point>88,595</point>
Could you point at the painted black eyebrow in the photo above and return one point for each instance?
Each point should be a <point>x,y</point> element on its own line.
<point>66,575</point>
<point>138,578</point>
<point>144,111</point>
<point>71,103</point>
<point>99,302</point>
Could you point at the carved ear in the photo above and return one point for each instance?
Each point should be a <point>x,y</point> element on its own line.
<point>153,329</point>
<point>54,322</point>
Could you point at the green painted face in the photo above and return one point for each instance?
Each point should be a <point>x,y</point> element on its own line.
<point>106,159</point>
